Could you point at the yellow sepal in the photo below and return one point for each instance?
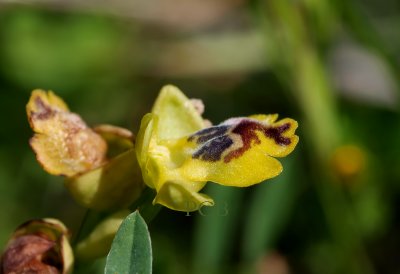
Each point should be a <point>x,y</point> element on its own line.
<point>177,197</point>
<point>178,116</point>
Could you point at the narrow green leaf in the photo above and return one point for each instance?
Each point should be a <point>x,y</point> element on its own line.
<point>215,228</point>
<point>269,211</point>
<point>131,249</point>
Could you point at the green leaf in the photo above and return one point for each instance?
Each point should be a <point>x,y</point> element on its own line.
<point>215,229</point>
<point>269,211</point>
<point>131,249</point>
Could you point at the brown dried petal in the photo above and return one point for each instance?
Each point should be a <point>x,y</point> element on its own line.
<point>114,132</point>
<point>36,267</point>
<point>38,246</point>
<point>63,143</point>
<point>30,254</point>
<point>118,139</point>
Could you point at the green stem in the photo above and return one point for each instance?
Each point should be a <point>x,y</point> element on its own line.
<point>309,83</point>
<point>145,205</point>
<point>89,221</point>
<point>78,233</point>
<point>318,105</point>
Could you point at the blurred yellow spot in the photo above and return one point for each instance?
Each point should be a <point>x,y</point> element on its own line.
<point>348,161</point>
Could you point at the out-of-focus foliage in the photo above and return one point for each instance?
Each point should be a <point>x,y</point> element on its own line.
<point>331,65</point>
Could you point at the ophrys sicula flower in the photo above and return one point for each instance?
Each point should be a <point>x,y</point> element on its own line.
<point>179,153</point>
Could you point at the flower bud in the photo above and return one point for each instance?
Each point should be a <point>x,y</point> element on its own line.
<point>99,241</point>
<point>114,185</point>
<point>38,246</point>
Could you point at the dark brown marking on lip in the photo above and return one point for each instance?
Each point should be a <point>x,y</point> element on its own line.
<point>276,134</point>
<point>217,139</point>
<point>44,111</point>
<point>212,150</point>
<point>247,131</point>
<point>214,140</point>
<point>209,133</point>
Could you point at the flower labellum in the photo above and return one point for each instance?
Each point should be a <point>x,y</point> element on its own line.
<point>239,152</point>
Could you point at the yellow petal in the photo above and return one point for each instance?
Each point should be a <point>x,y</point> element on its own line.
<point>265,118</point>
<point>283,129</point>
<point>157,162</point>
<point>177,197</point>
<point>63,143</point>
<point>238,151</point>
<point>144,137</point>
<point>178,115</point>
<point>161,168</point>
<point>160,171</point>
<point>252,168</point>
<point>173,116</point>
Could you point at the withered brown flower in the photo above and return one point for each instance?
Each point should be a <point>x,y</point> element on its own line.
<point>99,164</point>
<point>38,246</point>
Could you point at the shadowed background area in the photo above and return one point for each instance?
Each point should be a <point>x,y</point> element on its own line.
<point>331,65</point>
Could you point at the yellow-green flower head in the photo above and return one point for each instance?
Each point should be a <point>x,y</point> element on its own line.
<point>178,154</point>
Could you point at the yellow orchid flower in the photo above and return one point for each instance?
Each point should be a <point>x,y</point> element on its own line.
<point>178,154</point>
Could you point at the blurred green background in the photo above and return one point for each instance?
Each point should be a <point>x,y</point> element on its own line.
<point>331,65</point>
